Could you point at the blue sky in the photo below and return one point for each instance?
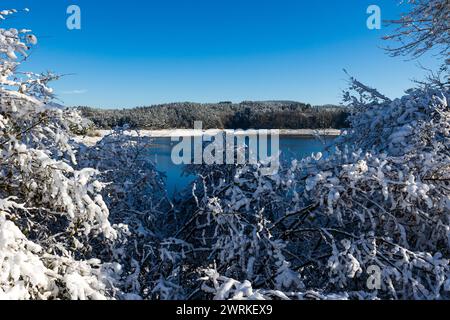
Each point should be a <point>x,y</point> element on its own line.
<point>133,53</point>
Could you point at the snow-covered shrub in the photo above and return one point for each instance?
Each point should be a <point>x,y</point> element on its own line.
<point>383,198</point>
<point>138,204</point>
<point>378,200</point>
<point>49,210</point>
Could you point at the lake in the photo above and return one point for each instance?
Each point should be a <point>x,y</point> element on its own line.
<point>291,147</point>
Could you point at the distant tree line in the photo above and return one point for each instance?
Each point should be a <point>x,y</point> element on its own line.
<point>224,115</point>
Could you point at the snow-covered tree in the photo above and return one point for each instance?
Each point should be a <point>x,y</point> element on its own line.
<point>50,212</point>
<point>424,27</point>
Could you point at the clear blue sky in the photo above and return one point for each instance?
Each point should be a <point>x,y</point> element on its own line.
<point>135,52</point>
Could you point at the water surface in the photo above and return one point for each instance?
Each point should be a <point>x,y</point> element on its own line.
<point>291,147</point>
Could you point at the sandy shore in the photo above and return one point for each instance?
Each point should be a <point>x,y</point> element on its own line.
<point>190,132</point>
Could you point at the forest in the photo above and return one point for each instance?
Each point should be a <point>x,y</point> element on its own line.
<point>225,115</point>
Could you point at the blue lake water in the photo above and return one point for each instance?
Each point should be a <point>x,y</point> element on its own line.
<point>291,147</point>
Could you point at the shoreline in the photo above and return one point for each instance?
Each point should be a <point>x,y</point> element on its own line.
<point>168,133</point>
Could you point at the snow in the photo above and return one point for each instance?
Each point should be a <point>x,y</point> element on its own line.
<point>168,133</point>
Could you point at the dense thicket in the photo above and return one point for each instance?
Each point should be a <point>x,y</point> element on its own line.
<point>245,115</point>
<point>370,220</point>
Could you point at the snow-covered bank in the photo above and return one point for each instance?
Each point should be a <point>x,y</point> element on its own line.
<point>191,132</point>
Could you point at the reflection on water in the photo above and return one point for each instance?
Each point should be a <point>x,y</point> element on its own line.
<point>292,147</point>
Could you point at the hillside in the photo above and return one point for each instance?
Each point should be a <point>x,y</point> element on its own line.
<point>245,115</point>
